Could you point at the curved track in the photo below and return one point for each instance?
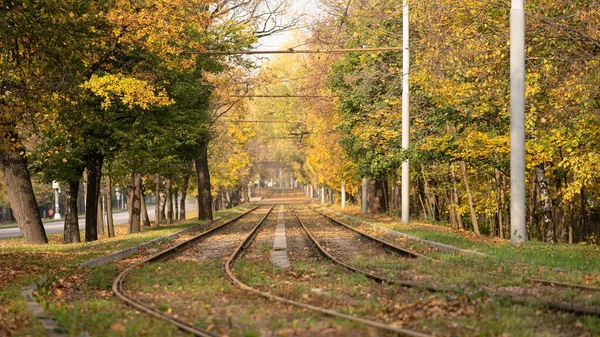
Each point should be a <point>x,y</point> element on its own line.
<point>562,306</point>
<point>118,283</point>
<point>228,266</point>
<point>384,245</point>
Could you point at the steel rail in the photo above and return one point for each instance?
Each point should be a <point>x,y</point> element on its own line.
<point>244,245</point>
<point>386,245</point>
<point>118,288</point>
<point>565,307</point>
<point>562,284</point>
<point>371,275</point>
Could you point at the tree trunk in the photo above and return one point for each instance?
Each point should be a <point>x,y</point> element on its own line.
<point>427,195</point>
<point>455,199</point>
<point>547,221</point>
<point>94,175</point>
<point>109,210</point>
<point>376,197</point>
<point>176,197</point>
<point>163,205</point>
<point>134,221</point>
<point>470,197</point>
<point>204,196</point>
<point>145,217</point>
<point>499,204</point>
<point>169,201</point>
<point>186,181</point>
<point>157,205</point>
<point>22,199</point>
<point>100,217</point>
<point>71,234</point>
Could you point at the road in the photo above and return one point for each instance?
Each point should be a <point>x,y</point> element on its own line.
<point>58,226</point>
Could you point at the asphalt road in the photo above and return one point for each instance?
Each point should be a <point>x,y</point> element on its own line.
<point>58,226</point>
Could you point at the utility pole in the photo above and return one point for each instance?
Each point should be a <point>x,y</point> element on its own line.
<point>405,112</point>
<point>518,231</point>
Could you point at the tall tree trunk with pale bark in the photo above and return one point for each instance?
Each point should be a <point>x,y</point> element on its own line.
<point>100,218</point>
<point>71,230</point>
<point>94,175</point>
<point>22,199</point>
<point>204,196</point>
<point>546,200</point>
<point>145,217</point>
<point>109,211</point>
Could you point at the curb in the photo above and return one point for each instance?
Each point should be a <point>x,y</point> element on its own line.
<point>441,246</point>
<point>50,326</point>
<point>127,252</point>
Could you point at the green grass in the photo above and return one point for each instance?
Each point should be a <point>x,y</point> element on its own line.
<point>25,264</point>
<point>580,257</point>
<point>108,317</point>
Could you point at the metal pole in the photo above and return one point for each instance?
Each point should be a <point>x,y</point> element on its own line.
<point>518,232</point>
<point>364,196</point>
<point>405,112</point>
<point>343,195</point>
<point>56,205</point>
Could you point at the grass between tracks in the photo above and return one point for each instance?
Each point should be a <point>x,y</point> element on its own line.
<point>80,298</point>
<point>473,276</point>
<point>580,257</point>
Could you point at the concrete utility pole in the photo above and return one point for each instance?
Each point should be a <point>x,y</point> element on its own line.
<point>364,196</point>
<point>405,112</point>
<point>343,195</point>
<point>518,231</point>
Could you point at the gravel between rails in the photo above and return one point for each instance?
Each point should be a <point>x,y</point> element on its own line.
<point>318,282</point>
<point>356,250</point>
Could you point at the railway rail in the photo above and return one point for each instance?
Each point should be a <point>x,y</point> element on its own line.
<point>228,268</point>
<point>517,299</point>
<point>118,283</point>
<point>384,245</point>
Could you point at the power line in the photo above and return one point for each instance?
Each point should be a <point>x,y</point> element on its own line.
<point>263,121</point>
<point>281,96</point>
<point>293,51</point>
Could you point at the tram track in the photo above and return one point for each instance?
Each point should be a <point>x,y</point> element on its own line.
<point>118,285</point>
<point>544,286</point>
<point>228,268</point>
<point>333,253</point>
<point>247,240</point>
